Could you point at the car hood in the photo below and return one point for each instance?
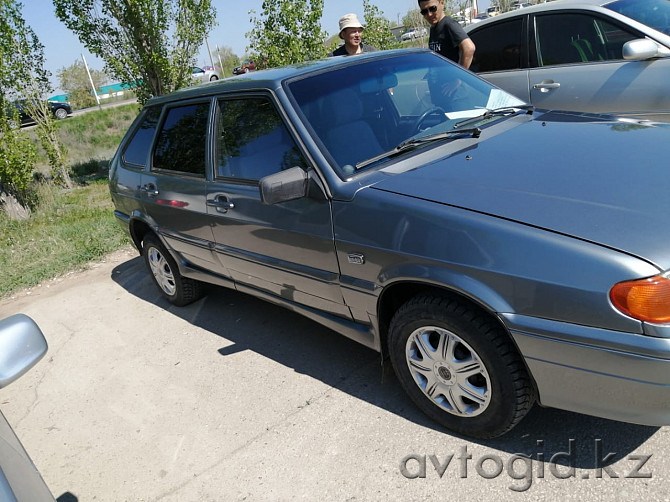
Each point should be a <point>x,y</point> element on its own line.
<point>607,182</point>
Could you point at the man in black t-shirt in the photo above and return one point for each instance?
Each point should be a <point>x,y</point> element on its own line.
<point>447,37</point>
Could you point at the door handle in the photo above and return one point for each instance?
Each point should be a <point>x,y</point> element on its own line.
<point>546,85</point>
<point>221,203</point>
<point>149,189</point>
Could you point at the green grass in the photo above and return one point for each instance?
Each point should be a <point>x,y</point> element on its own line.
<point>69,228</point>
<point>93,135</point>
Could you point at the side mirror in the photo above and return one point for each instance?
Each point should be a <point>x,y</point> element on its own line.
<point>640,49</point>
<point>284,186</point>
<point>22,345</point>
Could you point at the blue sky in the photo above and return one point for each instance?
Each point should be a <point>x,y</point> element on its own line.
<point>62,47</point>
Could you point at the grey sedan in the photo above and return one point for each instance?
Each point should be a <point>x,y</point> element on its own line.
<point>587,55</point>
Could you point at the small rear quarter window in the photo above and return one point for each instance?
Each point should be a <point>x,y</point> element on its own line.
<point>137,149</point>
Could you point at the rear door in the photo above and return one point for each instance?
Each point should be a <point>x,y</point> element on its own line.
<point>173,189</point>
<point>285,249</point>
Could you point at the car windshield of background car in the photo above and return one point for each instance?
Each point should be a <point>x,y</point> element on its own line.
<point>360,111</point>
<point>653,13</point>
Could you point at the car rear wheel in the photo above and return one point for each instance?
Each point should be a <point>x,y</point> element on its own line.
<point>459,366</point>
<point>60,113</point>
<point>176,289</point>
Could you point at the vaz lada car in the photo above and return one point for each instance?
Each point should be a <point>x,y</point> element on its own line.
<point>500,256</point>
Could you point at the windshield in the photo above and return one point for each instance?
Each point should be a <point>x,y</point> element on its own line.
<point>360,111</point>
<point>653,13</point>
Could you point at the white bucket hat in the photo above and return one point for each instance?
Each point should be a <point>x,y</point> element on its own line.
<point>349,21</point>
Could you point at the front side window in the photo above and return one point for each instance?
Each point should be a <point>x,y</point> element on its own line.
<point>498,46</point>
<point>253,141</point>
<point>578,38</point>
<point>182,140</point>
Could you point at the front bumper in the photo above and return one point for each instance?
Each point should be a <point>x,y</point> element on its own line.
<point>609,374</point>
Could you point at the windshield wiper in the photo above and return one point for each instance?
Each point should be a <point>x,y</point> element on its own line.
<point>411,143</point>
<point>505,110</point>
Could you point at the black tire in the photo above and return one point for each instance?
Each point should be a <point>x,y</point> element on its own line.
<point>60,113</point>
<point>476,384</point>
<point>213,78</point>
<point>176,289</point>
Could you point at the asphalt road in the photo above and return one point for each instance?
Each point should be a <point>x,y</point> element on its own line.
<point>235,399</point>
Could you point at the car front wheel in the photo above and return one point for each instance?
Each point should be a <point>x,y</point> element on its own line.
<point>459,366</point>
<point>178,290</point>
<point>213,77</point>
<point>60,113</point>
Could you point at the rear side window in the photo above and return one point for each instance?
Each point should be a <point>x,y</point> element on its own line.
<point>498,46</point>
<point>253,141</point>
<point>137,149</point>
<point>181,145</point>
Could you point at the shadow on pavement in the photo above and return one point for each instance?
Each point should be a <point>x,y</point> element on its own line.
<point>309,348</point>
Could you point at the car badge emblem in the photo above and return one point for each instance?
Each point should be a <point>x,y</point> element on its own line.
<point>356,259</point>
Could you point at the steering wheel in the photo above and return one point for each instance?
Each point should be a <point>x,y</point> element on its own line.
<point>434,111</point>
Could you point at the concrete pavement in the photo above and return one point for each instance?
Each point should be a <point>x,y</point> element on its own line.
<point>232,398</point>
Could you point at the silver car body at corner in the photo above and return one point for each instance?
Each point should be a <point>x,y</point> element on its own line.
<point>22,345</point>
<point>580,55</point>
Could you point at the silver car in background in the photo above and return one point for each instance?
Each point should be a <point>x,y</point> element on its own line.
<point>207,74</point>
<point>586,55</point>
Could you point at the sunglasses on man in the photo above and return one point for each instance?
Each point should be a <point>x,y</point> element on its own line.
<point>432,9</point>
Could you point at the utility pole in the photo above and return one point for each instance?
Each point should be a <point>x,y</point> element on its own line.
<point>90,79</point>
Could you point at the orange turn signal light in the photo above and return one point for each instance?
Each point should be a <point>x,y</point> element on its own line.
<point>644,299</point>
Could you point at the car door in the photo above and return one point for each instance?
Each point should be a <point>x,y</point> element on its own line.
<point>501,55</point>
<point>173,189</point>
<point>285,249</point>
<point>580,67</point>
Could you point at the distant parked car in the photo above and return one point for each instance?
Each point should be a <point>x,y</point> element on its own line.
<point>479,18</point>
<point>59,110</point>
<point>413,33</point>
<point>408,35</point>
<point>22,345</point>
<point>585,55</point>
<point>246,66</point>
<point>206,74</point>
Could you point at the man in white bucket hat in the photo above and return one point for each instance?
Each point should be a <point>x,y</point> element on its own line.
<point>351,30</point>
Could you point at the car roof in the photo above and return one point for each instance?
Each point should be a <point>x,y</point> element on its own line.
<point>589,5</point>
<point>542,7</point>
<point>274,77</point>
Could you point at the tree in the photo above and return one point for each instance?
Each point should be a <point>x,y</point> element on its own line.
<point>227,59</point>
<point>414,19</point>
<point>377,28</point>
<point>76,84</point>
<point>22,75</point>
<point>151,44</point>
<point>287,32</point>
